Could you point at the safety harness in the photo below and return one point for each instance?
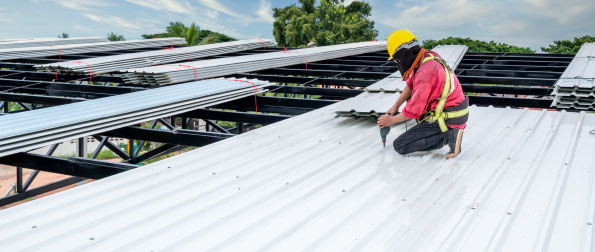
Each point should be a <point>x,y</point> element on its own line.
<point>455,115</point>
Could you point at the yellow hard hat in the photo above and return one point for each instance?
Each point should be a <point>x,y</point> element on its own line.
<point>396,39</point>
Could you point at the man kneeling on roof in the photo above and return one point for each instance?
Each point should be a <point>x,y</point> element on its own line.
<point>434,95</point>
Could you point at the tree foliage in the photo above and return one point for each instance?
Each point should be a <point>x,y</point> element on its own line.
<point>567,46</point>
<point>329,23</point>
<point>63,35</point>
<point>192,34</point>
<point>115,37</point>
<point>477,45</point>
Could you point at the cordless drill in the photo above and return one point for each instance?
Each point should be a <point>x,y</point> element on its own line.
<point>384,132</point>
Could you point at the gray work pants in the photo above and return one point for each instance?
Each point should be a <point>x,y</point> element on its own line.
<point>422,137</point>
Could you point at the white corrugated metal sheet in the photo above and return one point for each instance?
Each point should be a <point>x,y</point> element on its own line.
<point>576,87</point>
<point>524,182</point>
<point>32,129</point>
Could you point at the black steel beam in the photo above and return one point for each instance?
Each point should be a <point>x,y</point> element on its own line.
<point>179,136</point>
<point>39,190</point>
<point>512,67</point>
<point>62,89</point>
<point>324,73</point>
<point>506,80</point>
<point>326,92</point>
<point>534,57</point>
<point>38,99</point>
<point>491,89</point>
<point>356,62</point>
<point>234,116</point>
<point>159,151</point>
<point>518,54</point>
<point>309,80</point>
<point>80,167</point>
<point>511,73</point>
<point>271,104</point>
<point>389,68</point>
<point>515,62</point>
<point>498,101</point>
<point>61,77</point>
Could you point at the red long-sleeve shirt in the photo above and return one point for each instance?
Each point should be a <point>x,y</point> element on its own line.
<point>426,84</point>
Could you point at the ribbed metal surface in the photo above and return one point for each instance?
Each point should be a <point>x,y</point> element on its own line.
<point>381,95</point>
<point>576,87</point>
<point>36,42</point>
<point>151,58</point>
<point>175,73</point>
<point>524,182</point>
<point>44,51</point>
<point>28,130</point>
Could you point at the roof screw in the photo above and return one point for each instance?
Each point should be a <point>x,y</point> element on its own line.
<point>239,188</point>
<point>344,190</point>
<point>566,163</point>
<point>214,173</point>
<point>91,238</point>
<point>168,167</point>
<point>404,199</point>
<point>509,213</point>
<point>339,142</point>
<point>34,226</point>
<point>320,140</point>
<point>508,158</point>
<point>286,183</point>
<point>589,223</point>
<point>237,176</point>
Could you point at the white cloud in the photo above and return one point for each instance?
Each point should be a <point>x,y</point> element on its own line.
<point>81,5</point>
<point>112,20</point>
<point>265,12</point>
<point>531,23</point>
<point>563,12</point>
<point>441,14</point>
<point>216,6</point>
<point>79,27</point>
<point>182,7</point>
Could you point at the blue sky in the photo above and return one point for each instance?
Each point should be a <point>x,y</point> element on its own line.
<point>530,23</point>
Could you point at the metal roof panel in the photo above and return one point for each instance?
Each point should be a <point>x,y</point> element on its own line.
<point>524,181</point>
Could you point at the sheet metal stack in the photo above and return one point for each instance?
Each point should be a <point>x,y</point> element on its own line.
<point>576,87</point>
<point>151,58</point>
<point>381,95</point>
<point>32,129</point>
<point>176,73</point>
<point>45,51</point>
<point>35,42</point>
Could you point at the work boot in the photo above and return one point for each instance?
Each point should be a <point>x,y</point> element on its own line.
<point>455,139</point>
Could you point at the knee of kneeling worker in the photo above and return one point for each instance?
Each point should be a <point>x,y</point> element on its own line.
<point>399,146</point>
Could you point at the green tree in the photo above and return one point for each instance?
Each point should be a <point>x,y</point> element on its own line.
<point>567,46</point>
<point>329,23</point>
<point>115,37</point>
<point>477,45</point>
<point>63,35</point>
<point>193,34</point>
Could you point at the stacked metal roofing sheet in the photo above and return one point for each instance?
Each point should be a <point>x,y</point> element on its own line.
<point>525,181</point>
<point>576,87</point>
<point>36,42</point>
<point>151,58</point>
<point>381,95</point>
<point>175,73</point>
<point>28,130</point>
<point>44,51</point>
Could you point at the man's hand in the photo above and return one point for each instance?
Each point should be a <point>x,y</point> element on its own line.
<point>392,110</point>
<point>385,121</point>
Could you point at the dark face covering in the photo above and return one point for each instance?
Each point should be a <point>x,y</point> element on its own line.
<point>405,58</point>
